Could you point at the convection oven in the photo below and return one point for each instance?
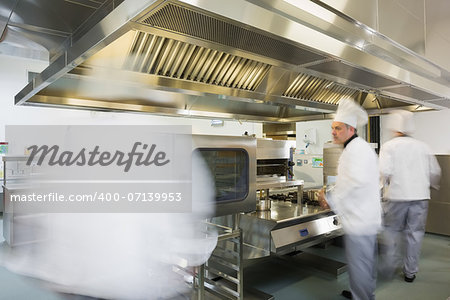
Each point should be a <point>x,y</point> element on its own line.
<point>231,162</point>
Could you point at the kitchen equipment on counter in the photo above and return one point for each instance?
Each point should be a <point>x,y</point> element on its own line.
<point>293,222</point>
<point>263,202</point>
<point>274,159</point>
<point>311,197</point>
<point>290,190</point>
<point>273,173</point>
<point>286,196</point>
<point>290,224</point>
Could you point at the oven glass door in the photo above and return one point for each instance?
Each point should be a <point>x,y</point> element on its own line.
<point>229,168</point>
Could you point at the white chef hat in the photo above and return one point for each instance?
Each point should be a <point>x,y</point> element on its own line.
<point>350,113</point>
<point>401,121</point>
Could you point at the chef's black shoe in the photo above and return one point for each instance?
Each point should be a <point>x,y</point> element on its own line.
<point>410,279</point>
<point>346,294</point>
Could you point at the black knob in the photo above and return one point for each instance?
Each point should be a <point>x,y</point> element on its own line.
<point>335,221</point>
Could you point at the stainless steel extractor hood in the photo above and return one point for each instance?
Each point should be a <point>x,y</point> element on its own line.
<point>270,61</point>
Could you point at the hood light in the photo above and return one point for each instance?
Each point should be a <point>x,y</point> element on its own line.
<point>217,123</point>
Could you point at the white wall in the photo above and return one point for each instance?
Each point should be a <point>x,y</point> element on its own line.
<point>432,127</point>
<point>323,134</point>
<point>323,130</point>
<point>14,76</point>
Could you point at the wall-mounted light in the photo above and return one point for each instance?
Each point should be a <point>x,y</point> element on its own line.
<point>217,123</point>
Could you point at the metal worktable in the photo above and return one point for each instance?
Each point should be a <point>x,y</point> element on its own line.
<point>285,228</point>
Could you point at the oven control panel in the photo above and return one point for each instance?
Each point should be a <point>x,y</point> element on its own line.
<point>295,234</point>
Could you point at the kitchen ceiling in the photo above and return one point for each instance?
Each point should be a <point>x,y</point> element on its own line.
<point>264,61</point>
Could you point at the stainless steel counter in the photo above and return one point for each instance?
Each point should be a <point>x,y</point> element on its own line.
<point>278,184</point>
<point>284,212</point>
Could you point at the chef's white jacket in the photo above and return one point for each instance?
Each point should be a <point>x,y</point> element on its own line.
<point>410,168</point>
<point>356,195</point>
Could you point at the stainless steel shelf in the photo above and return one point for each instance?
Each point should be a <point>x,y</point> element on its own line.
<point>278,184</point>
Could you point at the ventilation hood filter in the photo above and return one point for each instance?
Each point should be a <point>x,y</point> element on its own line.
<point>174,59</point>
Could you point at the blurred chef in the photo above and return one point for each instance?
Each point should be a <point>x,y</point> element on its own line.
<point>356,199</point>
<point>120,255</point>
<point>408,170</point>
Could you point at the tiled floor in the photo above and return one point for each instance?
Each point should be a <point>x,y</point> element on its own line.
<point>285,279</point>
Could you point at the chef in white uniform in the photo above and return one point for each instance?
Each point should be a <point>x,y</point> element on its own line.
<point>356,199</point>
<point>408,170</point>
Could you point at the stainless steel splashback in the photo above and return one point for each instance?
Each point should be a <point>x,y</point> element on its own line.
<point>273,149</point>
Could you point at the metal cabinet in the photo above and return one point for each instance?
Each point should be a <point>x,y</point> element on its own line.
<point>439,206</point>
<point>17,228</point>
